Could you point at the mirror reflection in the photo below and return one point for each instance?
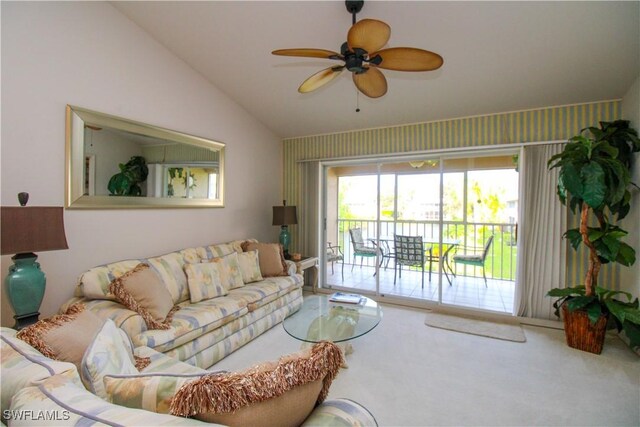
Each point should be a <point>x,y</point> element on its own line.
<point>115,162</point>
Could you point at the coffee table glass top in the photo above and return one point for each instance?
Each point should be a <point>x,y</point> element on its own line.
<point>322,320</point>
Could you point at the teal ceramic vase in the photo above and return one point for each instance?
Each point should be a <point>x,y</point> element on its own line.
<point>25,285</point>
<point>285,239</point>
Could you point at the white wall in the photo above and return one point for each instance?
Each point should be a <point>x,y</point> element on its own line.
<point>88,54</point>
<point>630,277</point>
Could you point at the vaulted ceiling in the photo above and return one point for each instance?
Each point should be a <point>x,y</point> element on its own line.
<point>498,56</point>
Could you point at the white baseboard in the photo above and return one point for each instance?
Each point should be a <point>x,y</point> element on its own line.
<point>544,323</point>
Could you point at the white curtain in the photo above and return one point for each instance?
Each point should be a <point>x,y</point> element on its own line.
<point>542,255</point>
<point>308,221</point>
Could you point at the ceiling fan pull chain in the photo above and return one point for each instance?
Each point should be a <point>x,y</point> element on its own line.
<point>357,101</point>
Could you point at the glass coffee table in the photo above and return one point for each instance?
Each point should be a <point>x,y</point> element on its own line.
<point>322,320</point>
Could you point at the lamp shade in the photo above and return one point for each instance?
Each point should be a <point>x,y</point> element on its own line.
<point>284,215</point>
<point>32,229</point>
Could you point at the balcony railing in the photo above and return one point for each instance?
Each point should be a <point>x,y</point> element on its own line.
<point>500,262</point>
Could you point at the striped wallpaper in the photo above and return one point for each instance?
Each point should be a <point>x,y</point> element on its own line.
<point>546,124</point>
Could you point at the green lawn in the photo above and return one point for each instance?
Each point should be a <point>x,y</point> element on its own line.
<point>500,263</point>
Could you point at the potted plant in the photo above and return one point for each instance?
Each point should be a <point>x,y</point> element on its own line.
<point>173,173</point>
<point>595,180</point>
<point>126,182</point>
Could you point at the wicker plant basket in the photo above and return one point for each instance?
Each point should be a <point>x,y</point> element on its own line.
<point>581,334</point>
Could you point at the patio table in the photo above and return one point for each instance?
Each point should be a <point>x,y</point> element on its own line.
<point>449,244</point>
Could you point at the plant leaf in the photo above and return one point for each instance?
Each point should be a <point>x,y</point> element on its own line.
<point>623,207</point>
<point>574,237</point>
<point>594,311</point>
<point>608,247</point>
<point>564,292</point>
<point>606,147</point>
<point>575,203</point>
<point>605,293</point>
<point>579,302</point>
<point>626,255</point>
<point>562,192</point>
<point>595,234</point>
<point>632,330</point>
<point>618,178</point>
<point>616,309</point>
<point>119,184</point>
<point>570,180</point>
<point>631,314</point>
<point>592,177</point>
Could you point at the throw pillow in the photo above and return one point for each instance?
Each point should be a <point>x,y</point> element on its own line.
<point>106,354</point>
<point>296,382</point>
<point>233,278</point>
<point>229,269</point>
<point>250,267</point>
<point>65,336</point>
<point>94,283</point>
<point>271,257</point>
<point>170,269</point>
<point>141,290</point>
<point>204,281</point>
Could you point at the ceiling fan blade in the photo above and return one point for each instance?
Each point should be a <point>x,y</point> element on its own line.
<point>368,34</point>
<point>319,79</point>
<point>309,53</point>
<point>372,83</point>
<point>408,59</point>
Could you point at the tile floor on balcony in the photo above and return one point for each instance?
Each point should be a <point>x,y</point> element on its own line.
<point>464,291</point>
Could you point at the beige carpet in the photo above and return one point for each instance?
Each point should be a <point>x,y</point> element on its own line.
<point>407,374</point>
<point>508,330</point>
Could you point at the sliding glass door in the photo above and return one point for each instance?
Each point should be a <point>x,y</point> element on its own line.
<point>480,215</point>
<point>463,210</point>
<point>351,227</point>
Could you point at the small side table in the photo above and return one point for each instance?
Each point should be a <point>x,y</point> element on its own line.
<point>311,264</point>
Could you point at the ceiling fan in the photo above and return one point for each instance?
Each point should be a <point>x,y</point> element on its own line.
<point>363,55</point>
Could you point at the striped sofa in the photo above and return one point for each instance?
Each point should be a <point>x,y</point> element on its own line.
<point>38,391</point>
<point>200,333</point>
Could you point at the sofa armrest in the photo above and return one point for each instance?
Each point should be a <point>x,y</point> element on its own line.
<point>71,404</point>
<point>291,267</point>
<point>24,366</point>
<point>340,412</point>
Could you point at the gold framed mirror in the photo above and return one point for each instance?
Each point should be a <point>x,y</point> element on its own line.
<point>116,163</point>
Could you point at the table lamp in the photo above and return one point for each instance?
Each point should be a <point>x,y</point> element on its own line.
<point>26,230</point>
<point>284,216</point>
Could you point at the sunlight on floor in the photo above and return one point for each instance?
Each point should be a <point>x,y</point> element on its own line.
<point>497,296</point>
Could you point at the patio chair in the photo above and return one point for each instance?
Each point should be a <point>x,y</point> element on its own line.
<point>409,251</point>
<point>476,258</point>
<point>359,248</point>
<point>334,254</point>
